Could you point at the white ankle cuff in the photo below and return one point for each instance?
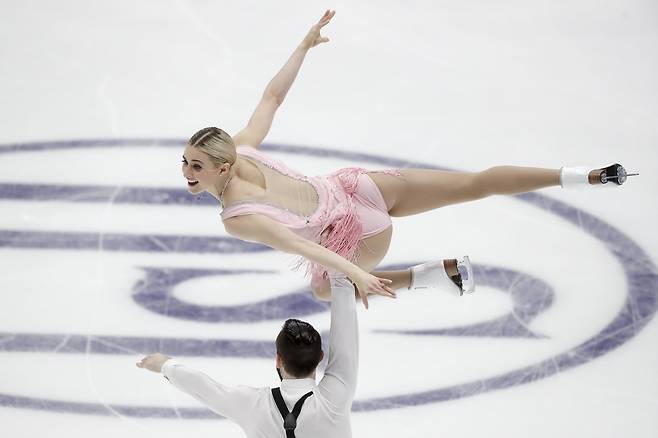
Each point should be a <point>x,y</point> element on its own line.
<point>573,177</point>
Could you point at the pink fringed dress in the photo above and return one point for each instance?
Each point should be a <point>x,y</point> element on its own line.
<point>335,210</point>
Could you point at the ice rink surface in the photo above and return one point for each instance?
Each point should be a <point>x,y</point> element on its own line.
<point>104,257</point>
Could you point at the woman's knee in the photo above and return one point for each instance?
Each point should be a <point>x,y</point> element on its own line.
<point>498,180</point>
<point>373,249</point>
<point>483,184</point>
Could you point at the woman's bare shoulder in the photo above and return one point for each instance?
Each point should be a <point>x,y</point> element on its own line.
<point>247,226</point>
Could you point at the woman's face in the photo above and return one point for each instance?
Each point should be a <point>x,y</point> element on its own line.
<point>199,171</point>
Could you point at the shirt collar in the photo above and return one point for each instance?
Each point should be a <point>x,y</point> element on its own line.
<point>297,384</point>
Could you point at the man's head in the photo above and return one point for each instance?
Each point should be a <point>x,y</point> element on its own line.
<point>298,348</point>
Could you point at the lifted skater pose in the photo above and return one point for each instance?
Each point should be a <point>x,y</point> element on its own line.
<point>342,221</point>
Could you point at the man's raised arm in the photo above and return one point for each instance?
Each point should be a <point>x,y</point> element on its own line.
<point>339,381</point>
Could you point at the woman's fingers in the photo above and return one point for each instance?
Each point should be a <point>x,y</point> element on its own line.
<point>326,18</point>
<point>384,284</point>
<point>375,285</point>
<point>381,289</point>
<point>385,288</point>
<point>364,298</point>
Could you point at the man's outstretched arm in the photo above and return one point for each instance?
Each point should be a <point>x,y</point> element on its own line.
<point>231,402</point>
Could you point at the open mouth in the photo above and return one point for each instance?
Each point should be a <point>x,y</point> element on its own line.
<point>192,183</point>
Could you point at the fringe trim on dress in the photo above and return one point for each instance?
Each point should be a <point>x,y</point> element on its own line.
<point>344,234</point>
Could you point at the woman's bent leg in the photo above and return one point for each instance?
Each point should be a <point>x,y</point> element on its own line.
<point>371,252</point>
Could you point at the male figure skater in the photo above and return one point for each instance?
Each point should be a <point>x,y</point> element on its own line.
<point>318,410</point>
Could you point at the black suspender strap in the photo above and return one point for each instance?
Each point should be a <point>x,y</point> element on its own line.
<point>289,418</point>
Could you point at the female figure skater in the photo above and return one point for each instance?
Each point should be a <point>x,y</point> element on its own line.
<point>341,222</point>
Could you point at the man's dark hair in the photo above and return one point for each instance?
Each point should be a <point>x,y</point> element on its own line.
<point>300,347</point>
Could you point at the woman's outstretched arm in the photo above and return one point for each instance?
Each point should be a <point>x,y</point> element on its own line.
<point>261,120</point>
<point>261,229</point>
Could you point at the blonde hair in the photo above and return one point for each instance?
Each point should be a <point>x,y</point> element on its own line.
<point>216,143</point>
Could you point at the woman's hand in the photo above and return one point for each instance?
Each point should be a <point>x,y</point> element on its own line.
<point>313,38</point>
<point>369,284</point>
<point>153,362</point>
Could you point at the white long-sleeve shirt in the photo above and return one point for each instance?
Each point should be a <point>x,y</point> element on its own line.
<point>325,414</point>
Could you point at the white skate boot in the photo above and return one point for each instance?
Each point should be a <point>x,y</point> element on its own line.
<point>571,177</point>
<point>435,275</point>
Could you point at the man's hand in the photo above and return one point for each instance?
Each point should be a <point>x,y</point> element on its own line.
<point>313,38</point>
<point>153,362</point>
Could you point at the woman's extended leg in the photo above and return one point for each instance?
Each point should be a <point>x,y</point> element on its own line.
<point>421,190</point>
